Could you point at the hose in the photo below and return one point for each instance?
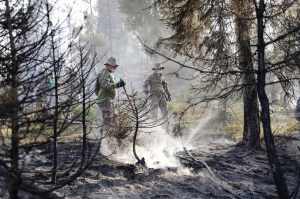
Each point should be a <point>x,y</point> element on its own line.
<point>195,160</point>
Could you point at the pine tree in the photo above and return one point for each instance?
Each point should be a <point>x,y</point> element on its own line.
<point>32,49</point>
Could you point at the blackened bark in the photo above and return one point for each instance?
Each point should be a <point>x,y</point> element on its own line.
<point>14,82</point>
<point>55,125</point>
<point>251,110</point>
<point>251,114</point>
<point>82,85</point>
<point>265,112</point>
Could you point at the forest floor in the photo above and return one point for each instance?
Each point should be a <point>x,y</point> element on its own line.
<point>232,171</point>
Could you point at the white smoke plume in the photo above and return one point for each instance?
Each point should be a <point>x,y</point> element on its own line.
<point>156,147</point>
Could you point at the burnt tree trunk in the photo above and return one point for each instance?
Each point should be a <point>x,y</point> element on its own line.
<point>265,111</point>
<point>55,124</point>
<point>13,83</point>
<point>251,130</point>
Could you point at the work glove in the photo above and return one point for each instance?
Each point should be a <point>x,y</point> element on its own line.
<point>169,98</point>
<point>146,92</point>
<point>121,83</point>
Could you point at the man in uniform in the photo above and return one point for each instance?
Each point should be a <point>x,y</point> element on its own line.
<point>157,87</point>
<point>105,89</point>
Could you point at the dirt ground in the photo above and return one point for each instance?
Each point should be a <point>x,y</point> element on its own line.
<point>213,167</point>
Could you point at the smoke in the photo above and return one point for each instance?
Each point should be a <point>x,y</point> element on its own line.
<point>156,147</point>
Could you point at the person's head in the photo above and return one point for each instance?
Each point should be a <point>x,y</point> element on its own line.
<point>111,64</point>
<point>158,69</point>
<point>68,70</point>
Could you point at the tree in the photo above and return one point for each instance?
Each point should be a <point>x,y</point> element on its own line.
<point>287,65</point>
<point>97,40</point>
<point>265,113</point>
<point>251,133</point>
<point>123,45</point>
<point>208,44</point>
<point>32,48</point>
<point>141,21</point>
<point>202,33</point>
<point>110,25</point>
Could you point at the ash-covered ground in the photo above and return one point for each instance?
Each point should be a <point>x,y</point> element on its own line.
<point>208,167</point>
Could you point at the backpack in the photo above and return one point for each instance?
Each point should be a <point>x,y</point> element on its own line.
<point>97,87</point>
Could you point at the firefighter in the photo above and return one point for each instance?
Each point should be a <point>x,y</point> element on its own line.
<point>105,89</point>
<point>157,88</point>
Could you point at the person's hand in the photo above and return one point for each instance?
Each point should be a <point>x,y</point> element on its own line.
<point>121,83</point>
<point>169,98</point>
<point>146,92</point>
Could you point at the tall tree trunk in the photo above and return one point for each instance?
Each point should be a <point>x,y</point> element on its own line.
<point>251,109</point>
<point>55,124</point>
<point>13,93</point>
<point>84,97</point>
<point>14,153</point>
<point>265,111</point>
<point>109,29</point>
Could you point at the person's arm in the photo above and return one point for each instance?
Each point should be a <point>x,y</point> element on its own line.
<point>166,88</point>
<point>146,85</point>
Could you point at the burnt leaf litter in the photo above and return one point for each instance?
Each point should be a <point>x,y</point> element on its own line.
<point>235,172</point>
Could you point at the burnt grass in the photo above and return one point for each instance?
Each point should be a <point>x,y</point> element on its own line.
<point>236,172</point>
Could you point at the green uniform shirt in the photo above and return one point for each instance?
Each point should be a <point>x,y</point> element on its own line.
<point>156,83</point>
<point>105,87</point>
